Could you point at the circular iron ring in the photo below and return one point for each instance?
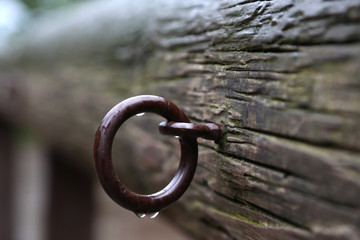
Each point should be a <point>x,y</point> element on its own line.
<point>103,161</point>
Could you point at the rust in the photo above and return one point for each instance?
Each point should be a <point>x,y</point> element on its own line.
<point>177,124</point>
<point>210,131</point>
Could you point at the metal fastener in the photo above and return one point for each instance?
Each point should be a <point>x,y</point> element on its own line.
<point>178,124</point>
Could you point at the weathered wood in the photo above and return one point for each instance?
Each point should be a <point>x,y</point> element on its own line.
<point>283,76</point>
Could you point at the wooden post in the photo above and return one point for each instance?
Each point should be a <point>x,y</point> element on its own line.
<point>71,209</point>
<point>6,180</point>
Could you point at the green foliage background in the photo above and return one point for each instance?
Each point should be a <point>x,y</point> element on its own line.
<point>45,5</point>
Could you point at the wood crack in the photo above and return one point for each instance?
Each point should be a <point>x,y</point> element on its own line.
<point>285,222</point>
<point>325,144</point>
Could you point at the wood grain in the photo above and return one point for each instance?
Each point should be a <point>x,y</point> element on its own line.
<point>282,76</point>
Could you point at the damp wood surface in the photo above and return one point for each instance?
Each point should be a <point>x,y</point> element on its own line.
<point>282,76</point>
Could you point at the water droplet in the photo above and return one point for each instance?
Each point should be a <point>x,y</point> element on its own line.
<point>140,215</point>
<point>154,215</point>
<point>177,137</point>
<point>140,114</point>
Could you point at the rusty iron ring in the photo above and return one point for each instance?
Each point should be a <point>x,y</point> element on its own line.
<point>142,204</point>
<point>210,131</point>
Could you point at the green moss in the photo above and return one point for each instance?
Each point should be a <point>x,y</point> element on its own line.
<point>212,180</point>
<point>238,217</point>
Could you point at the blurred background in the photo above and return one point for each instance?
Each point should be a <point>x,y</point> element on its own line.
<point>46,193</point>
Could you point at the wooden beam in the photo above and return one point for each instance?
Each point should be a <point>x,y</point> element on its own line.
<point>283,76</point>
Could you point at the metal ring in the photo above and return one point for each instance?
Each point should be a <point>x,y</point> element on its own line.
<point>142,204</point>
<point>210,131</point>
